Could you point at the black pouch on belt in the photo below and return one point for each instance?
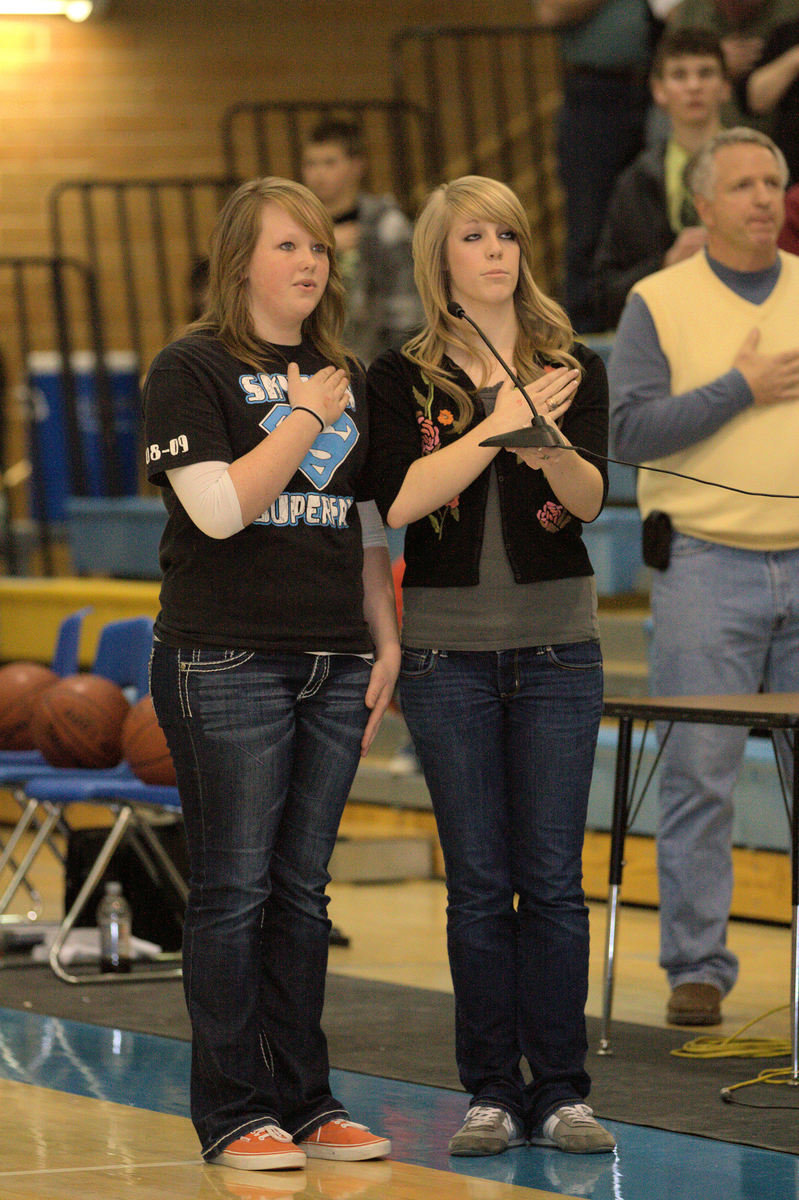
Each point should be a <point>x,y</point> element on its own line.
<point>656,540</point>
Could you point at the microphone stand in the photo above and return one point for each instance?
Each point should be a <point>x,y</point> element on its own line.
<point>539,432</point>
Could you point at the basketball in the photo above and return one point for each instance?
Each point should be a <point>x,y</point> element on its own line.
<point>144,745</point>
<point>78,722</point>
<point>21,683</point>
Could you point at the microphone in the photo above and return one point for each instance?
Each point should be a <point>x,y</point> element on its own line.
<point>539,432</point>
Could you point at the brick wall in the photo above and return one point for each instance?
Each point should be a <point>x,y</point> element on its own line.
<point>142,92</point>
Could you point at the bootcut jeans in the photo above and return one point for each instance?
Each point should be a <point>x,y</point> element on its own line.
<point>506,741</point>
<point>265,749</point>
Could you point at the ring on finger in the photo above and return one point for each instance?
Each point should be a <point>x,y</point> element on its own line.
<point>553,404</point>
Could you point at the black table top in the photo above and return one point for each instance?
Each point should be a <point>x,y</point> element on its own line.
<point>761,710</point>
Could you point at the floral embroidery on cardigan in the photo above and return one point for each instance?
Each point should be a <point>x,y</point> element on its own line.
<point>553,516</point>
<point>431,441</point>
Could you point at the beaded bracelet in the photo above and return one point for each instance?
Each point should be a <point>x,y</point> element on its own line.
<point>302,408</point>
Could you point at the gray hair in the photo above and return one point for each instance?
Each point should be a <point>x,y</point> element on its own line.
<point>700,170</point>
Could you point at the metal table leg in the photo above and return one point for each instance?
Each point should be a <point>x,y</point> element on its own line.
<point>621,803</point>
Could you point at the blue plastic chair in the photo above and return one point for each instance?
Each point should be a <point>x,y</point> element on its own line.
<point>132,802</point>
<point>123,656</point>
<point>65,655</point>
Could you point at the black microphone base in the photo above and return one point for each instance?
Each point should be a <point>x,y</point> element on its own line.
<point>536,436</point>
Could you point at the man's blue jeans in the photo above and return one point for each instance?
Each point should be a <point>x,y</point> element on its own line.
<point>725,621</point>
<point>265,750</point>
<point>506,741</point>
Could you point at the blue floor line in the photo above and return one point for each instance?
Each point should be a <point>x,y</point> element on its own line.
<point>152,1072</point>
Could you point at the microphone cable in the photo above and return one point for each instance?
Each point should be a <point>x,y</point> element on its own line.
<point>456,310</point>
<point>680,475</point>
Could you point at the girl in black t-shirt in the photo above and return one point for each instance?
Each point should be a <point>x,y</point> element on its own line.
<point>276,654</point>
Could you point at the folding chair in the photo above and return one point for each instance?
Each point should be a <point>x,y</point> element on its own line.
<point>132,802</point>
<point>123,656</point>
<point>65,654</point>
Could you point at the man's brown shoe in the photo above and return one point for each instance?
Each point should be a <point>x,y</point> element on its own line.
<point>694,1004</point>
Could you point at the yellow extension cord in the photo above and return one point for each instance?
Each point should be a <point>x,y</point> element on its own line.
<point>736,1046</point>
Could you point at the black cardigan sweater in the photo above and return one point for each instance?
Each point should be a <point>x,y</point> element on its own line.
<point>408,417</point>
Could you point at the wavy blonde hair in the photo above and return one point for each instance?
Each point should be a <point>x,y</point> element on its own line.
<point>227,312</point>
<point>544,333</point>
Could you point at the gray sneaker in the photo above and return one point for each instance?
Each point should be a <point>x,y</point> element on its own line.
<point>573,1128</point>
<point>486,1130</point>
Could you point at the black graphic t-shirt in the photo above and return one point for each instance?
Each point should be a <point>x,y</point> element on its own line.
<point>290,581</point>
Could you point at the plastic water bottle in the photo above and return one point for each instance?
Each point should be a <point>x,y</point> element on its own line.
<point>113,922</point>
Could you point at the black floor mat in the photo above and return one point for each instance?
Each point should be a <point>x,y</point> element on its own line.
<point>407,1033</point>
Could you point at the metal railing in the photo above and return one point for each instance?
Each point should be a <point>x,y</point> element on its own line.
<point>491,93</point>
<point>267,137</point>
<point>139,238</point>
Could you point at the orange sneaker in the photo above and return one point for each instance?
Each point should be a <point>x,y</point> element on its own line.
<point>268,1148</point>
<point>345,1140</point>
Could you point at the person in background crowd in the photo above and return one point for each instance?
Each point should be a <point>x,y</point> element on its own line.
<point>705,382</point>
<point>743,27</point>
<point>373,242</point>
<point>275,655</point>
<point>501,678</point>
<point>606,49</point>
<point>197,286</point>
<point>651,220</point>
<point>773,87</point>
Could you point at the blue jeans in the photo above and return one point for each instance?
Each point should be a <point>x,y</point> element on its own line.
<point>506,741</point>
<point>725,621</point>
<point>265,749</point>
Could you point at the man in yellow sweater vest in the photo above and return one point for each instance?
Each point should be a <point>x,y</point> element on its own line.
<point>705,381</point>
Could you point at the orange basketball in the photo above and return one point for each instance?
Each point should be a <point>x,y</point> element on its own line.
<point>144,745</point>
<point>78,722</point>
<point>21,684</point>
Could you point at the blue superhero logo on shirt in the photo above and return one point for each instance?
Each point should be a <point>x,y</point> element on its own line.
<point>332,447</point>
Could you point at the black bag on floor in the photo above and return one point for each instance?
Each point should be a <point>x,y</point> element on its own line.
<point>157,911</point>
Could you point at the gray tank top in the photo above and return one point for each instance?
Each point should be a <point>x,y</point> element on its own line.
<point>499,613</point>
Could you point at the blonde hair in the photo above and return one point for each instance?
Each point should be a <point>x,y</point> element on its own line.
<point>544,330</point>
<point>227,312</point>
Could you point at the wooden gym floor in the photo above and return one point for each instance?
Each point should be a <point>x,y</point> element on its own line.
<point>90,1112</point>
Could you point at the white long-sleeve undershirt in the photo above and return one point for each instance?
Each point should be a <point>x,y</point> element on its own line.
<point>208,495</point>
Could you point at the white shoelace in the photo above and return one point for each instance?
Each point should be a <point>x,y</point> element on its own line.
<point>581,1114</point>
<point>483,1115</point>
<point>269,1131</point>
